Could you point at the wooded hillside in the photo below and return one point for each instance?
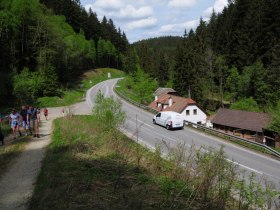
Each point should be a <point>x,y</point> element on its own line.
<point>47,44</point>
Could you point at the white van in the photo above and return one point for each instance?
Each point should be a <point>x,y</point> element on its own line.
<point>169,120</point>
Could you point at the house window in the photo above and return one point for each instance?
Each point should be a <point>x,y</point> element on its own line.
<point>187,112</point>
<point>195,111</point>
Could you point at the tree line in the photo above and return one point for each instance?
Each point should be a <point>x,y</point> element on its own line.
<point>48,43</point>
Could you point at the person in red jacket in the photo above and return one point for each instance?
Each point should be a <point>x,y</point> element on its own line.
<point>46,112</point>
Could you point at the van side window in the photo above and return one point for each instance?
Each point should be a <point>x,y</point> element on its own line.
<point>158,115</point>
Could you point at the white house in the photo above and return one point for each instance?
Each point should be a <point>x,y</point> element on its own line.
<point>187,107</point>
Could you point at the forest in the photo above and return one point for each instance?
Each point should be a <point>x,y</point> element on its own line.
<point>46,44</point>
<point>234,58</point>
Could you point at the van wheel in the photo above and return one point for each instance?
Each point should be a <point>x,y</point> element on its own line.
<point>168,127</point>
<point>154,121</point>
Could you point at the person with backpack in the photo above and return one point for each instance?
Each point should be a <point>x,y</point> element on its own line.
<point>33,119</point>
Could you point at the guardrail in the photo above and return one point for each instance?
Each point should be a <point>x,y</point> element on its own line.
<point>233,137</point>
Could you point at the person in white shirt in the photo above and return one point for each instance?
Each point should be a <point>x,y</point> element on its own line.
<point>14,122</point>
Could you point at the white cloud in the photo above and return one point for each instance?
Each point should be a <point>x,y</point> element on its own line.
<point>130,12</point>
<point>125,13</point>
<point>146,23</point>
<point>181,3</point>
<point>179,28</point>
<point>108,4</point>
<point>218,7</point>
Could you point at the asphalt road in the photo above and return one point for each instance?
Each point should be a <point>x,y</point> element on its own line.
<point>152,135</point>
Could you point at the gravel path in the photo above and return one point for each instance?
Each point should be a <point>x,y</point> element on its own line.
<point>17,183</point>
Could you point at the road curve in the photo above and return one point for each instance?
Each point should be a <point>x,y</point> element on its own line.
<point>152,135</point>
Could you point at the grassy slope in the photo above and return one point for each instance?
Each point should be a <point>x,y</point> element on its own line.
<point>86,169</point>
<point>86,173</point>
<point>129,93</point>
<point>77,94</point>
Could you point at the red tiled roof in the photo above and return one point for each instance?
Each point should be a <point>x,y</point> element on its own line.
<point>178,103</point>
<point>253,121</point>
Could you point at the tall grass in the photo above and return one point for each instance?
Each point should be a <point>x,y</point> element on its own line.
<point>88,167</point>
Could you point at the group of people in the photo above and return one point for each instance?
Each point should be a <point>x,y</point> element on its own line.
<point>27,121</point>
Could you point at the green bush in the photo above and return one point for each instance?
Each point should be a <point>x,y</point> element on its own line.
<point>28,86</point>
<point>139,87</point>
<point>248,104</point>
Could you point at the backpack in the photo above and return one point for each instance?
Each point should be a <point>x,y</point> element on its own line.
<point>33,114</point>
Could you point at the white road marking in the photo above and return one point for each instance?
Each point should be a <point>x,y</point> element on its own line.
<point>243,166</point>
<point>155,132</point>
<point>145,124</point>
<point>131,120</point>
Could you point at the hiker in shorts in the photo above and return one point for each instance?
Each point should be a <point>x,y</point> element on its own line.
<point>14,118</point>
<point>33,119</point>
<point>46,112</point>
<point>23,119</point>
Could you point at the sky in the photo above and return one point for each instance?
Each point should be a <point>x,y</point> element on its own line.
<point>142,19</point>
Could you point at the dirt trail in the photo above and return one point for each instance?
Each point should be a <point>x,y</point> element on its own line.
<point>17,183</point>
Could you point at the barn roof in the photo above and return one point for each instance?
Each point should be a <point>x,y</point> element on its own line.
<point>252,121</point>
<point>160,91</point>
